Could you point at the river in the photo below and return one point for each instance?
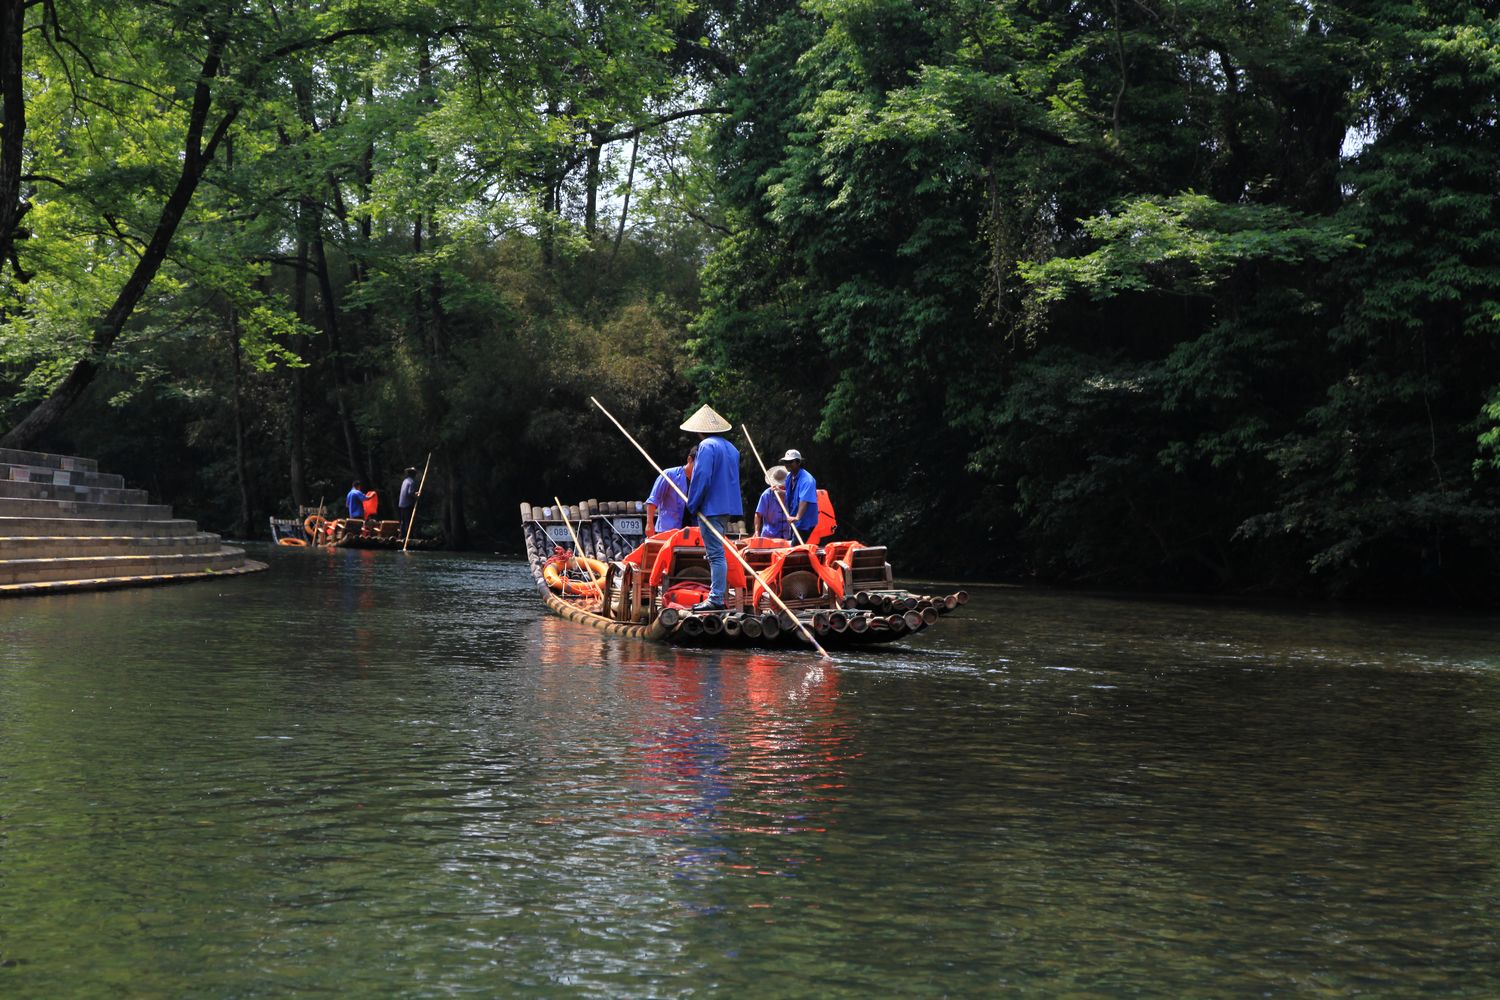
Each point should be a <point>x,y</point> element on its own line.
<point>363,774</point>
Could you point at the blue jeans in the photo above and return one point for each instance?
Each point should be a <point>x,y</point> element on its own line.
<point>713,550</point>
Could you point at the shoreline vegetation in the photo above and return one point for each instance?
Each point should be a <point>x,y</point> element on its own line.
<point>1153,297</point>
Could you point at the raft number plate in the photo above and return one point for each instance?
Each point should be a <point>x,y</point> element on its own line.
<point>559,533</point>
<point>629,525</point>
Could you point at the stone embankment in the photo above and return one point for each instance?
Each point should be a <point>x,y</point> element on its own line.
<point>64,525</point>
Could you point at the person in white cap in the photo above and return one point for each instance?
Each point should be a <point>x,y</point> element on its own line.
<point>714,496</point>
<point>801,493</point>
<point>770,519</point>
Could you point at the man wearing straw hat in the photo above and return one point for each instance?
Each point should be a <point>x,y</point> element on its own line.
<point>770,516</point>
<point>714,496</point>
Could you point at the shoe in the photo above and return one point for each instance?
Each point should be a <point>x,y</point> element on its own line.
<point>707,606</point>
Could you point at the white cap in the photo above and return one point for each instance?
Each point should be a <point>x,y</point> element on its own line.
<point>792,455</point>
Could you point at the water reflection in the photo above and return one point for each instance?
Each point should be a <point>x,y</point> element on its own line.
<point>721,749</point>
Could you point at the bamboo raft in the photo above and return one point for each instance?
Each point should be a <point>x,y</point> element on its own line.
<point>342,533</point>
<point>840,592</point>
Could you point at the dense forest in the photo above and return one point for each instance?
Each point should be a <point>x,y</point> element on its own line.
<point>1172,294</point>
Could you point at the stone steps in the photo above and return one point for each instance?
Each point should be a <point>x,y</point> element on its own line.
<point>42,460</point>
<point>79,546</point>
<point>18,527</point>
<point>96,567</point>
<point>19,473</point>
<point>108,583</point>
<point>18,507</point>
<point>10,489</point>
<point>64,525</point>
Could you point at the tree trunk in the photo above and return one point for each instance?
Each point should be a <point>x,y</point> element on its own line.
<point>591,187</point>
<point>297,418</point>
<point>241,466</point>
<point>635,148</point>
<point>13,130</point>
<point>196,157</point>
<point>455,520</point>
<point>336,352</point>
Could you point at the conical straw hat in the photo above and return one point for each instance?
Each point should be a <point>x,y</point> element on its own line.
<point>706,421</point>
<point>776,475</point>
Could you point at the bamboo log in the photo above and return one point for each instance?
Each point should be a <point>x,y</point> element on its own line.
<point>963,597</point>
<point>525,512</point>
<point>750,627</point>
<point>929,614</point>
<point>914,620</point>
<point>670,617</point>
<point>712,624</point>
<point>859,624</point>
<point>732,626</point>
<point>838,621</point>
<point>692,626</point>
<point>769,626</point>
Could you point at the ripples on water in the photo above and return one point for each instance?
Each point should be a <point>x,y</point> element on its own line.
<point>363,774</point>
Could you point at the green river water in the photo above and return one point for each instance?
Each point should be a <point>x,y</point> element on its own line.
<point>363,774</point>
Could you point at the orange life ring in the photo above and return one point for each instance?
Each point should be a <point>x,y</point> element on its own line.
<point>553,574</point>
<point>292,542</point>
<point>312,523</point>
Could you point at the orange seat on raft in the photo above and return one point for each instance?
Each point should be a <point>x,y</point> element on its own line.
<point>691,537</point>
<point>827,519</point>
<point>833,580</point>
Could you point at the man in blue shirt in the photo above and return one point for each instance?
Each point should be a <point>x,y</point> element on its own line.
<point>801,493</point>
<point>770,518</point>
<point>664,506</point>
<point>355,501</point>
<point>714,497</point>
<point>406,500</point>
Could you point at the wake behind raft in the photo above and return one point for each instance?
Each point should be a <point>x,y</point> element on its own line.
<point>630,585</point>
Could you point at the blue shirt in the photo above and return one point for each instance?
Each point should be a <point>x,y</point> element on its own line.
<point>665,499</point>
<point>773,523</point>
<point>355,501</point>
<point>408,492</point>
<point>802,486</point>
<point>715,489</point>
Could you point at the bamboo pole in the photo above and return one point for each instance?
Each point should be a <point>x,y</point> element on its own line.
<point>577,546</point>
<point>780,497</point>
<point>413,522</point>
<point>705,522</point>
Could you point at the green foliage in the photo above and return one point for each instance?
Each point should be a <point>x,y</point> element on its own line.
<point>1192,295</point>
<point>1189,295</point>
<point>1185,245</point>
